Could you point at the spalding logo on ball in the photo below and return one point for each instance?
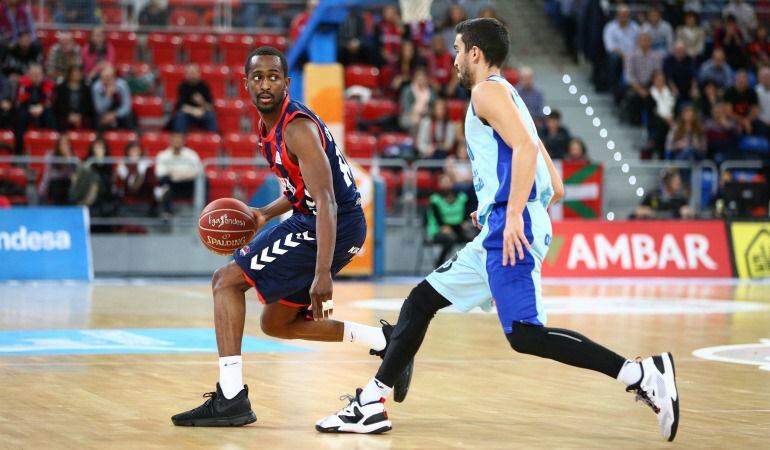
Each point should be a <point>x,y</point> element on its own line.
<point>225,225</point>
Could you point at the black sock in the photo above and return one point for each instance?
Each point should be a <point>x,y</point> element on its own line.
<point>565,346</point>
<point>413,320</point>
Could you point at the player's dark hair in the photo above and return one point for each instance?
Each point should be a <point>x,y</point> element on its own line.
<point>270,51</point>
<point>489,35</point>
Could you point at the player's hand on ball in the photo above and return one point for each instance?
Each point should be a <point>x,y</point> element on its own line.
<point>514,240</point>
<point>259,218</point>
<point>321,296</point>
<point>475,219</point>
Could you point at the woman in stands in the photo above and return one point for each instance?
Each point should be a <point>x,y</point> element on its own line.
<point>58,173</point>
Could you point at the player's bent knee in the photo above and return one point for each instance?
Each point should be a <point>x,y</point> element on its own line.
<point>275,329</point>
<point>228,276</point>
<point>424,301</point>
<point>525,338</point>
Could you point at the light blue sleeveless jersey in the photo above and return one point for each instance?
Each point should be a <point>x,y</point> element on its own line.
<point>491,159</point>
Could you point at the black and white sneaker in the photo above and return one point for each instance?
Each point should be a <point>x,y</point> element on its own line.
<point>401,386</point>
<point>657,389</point>
<point>370,418</point>
<point>218,411</point>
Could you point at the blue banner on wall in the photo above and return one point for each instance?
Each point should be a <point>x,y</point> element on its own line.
<point>45,244</point>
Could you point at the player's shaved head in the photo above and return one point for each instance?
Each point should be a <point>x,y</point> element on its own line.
<point>268,51</point>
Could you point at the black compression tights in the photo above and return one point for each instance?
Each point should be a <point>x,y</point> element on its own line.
<point>413,320</point>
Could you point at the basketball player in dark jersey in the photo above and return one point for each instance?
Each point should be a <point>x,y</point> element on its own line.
<point>291,265</point>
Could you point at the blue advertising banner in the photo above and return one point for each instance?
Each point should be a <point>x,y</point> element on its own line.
<point>46,243</point>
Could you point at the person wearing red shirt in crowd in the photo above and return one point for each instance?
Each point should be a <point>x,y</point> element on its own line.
<point>389,34</point>
<point>33,101</point>
<point>300,20</point>
<point>759,48</point>
<point>440,64</point>
<point>745,104</point>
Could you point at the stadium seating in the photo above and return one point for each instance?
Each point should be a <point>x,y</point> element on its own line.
<point>80,141</point>
<point>149,110</point>
<point>218,78</point>
<point>18,177</point>
<point>112,15</point>
<point>154,142</point>
<point>456,109</point>
<point>236,48</point>
<point>205,144</point>
<point>386,140</point>
<point>229,113</point>
<point>163,47</point>
<point>117,140</point>
<point>200,47</point>
<point>185,18</point>
<point>360,145</point>
<point>240,145</point>
<point>125,43</point>
<point>40,142</point>
<point>352,110</point>
<point>171,75</point>
<point>271,40</point>
<point>362,75</point>
<point>221,183</point>
<point>250,180</point>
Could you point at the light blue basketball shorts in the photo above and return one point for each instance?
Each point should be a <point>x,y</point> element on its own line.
<point>475,276</point>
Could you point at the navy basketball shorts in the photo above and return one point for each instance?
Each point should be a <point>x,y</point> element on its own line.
<point>280,261</point>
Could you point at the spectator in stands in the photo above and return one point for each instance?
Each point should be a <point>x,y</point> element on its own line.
<point>436,134</point>
<point>458,168</point>
<point>408,61</point>
<point>687,139</point>
<point>661,111</point>
<point>487,12</point>
<point>112,101</point>
<point>353,47</point>
<point>668,201</point>
<point>555,137</point>
<point>154,14</point>
<point>416,101</point>
<point>176,168</point>
<point>15,19</point>
<point>455,15</point>
<point>94,184</point>
<point>679,68</point>
<point>576,151</point>
<point>63,54</point>
<point>33,101</point>
<point>97,54</point>
<point>759,48</point>
<point>722,133</point>
<point>389,33</point>
<point>58,175</point>
<point>195,104</point>
<point>73,105</point>
<point>446,219</point>
<point>620,36</point>
<point>21,54</point>
<point>704,99</point>
<point>531,95</point>
<point>731,40</point>
<point>744,15</point>
<point>660,31</point>
<point>136,178</point>
<point>299,21</point>
<point>763,95</point>
<point>441,66</point>
<point>76,12</point>
<point>693,35</point>
<point>716,70</point>
<point>745,105</point>
<point>7,111</point>
<point>641,65</point>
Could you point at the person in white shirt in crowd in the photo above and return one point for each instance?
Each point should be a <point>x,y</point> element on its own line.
<point>661,112</point>
<point>744,15</point>
<point>176,168</point>
<point>763,95</point>
<point>692,34</point>
<point>660,31</point>
<point>619,37</point>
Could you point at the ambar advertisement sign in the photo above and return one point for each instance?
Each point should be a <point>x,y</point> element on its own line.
<point>751,249</point>
<point>638,249</point>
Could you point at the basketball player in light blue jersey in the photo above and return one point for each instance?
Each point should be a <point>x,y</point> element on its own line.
<point>515,182</point>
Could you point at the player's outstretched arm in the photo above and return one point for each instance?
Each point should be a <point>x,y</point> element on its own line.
<point>492,102</point>
<point>556,182</point>
<point>304,142</point>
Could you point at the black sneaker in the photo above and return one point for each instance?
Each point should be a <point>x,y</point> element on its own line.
<point>217,411</point>
<point>401,386</point>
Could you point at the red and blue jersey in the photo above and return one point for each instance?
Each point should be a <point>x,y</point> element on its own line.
<point>273,148</point>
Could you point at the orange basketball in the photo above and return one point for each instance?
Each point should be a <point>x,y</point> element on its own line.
<point>225,225</point>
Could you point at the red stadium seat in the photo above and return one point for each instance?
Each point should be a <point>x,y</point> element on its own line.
<point>81,36</point>
<point>241,145</point>
<point>125,43</point>
<point>236,48</point>
<point>6,150</point>
<point>126,68</point>
<point>185,18</point>
<point>205,144</point>
<point>393,183</point>
<point>18,177</point>
<point>362,75</point>
<point>7,137</point>
<point>379,108</point>
<point>154,142</point>
<point>117,140</point>
<point>149,111</point>
<point>388,139</point>
<point>250,180</point>
<point>46,37</point>
<point>218,78</point>
<point>352,110</point>
<point>221,183</point>
<point>81,141</point>
<point>172,75</point>
<point>229,113</point>
<point>200,47</point>
<point>456,109</point>
<point>360,145</point>
<point>40,142</point>
<point>112,15</point>
<point>512,75</point>
<point>164,47</point>
<point>271,40</point>
<point>40,14</point>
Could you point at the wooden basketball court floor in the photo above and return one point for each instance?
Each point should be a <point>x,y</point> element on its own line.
<point>105,366</point>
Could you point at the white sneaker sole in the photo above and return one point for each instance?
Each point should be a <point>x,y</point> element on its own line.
<point>669,410</point>
<point>375,428</point>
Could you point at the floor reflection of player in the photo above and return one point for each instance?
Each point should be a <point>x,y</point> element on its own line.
<point>290,265</point>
